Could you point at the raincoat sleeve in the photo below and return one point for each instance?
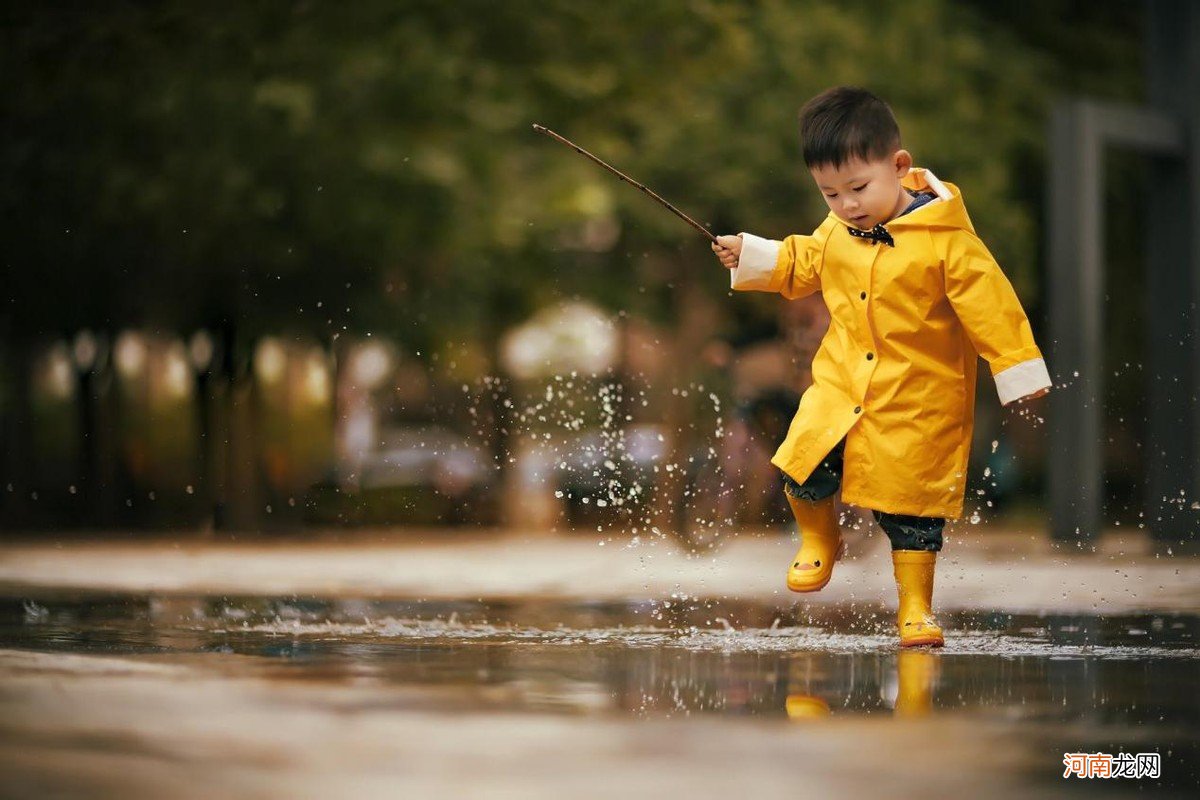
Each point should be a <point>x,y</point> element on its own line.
<point>791,267</point>
<point>992,317</point>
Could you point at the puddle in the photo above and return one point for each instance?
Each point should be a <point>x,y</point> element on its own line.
<point>681,656</point>
<point>1068,682</point>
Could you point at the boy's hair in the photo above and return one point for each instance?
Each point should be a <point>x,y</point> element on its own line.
<point>847,122</point>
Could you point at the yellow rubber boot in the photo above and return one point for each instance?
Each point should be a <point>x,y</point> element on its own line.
<point>914,583</point>
<point>820,544</point>
<point>917,671</point>
<point>805,707</point>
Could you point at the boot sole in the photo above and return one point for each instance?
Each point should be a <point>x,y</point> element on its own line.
<point>802,589</point>
<point>924,641</point>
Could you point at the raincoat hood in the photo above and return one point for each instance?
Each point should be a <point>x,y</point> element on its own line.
<point>947,212</point>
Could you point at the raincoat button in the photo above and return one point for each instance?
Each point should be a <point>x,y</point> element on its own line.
<point>858,409</point>
<point>870,356</point>
<point>863,296</point>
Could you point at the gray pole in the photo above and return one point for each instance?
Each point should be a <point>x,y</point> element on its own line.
<point>1172,451</point>
<point>1076,317</point>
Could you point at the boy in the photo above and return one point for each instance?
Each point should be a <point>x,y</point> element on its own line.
<point>914,299</point>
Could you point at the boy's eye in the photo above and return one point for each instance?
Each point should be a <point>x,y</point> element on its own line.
<point>860,188</point>
<point>831,196</point>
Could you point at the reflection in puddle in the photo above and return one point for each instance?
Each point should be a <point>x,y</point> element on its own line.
<point>247,690</point>
<point>654,659</point>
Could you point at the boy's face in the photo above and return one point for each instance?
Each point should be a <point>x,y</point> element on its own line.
<point>865,193</point>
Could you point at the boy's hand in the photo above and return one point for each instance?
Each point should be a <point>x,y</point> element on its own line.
<point>728,250</point>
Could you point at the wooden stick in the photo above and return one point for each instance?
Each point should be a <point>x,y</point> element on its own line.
<point>707,233</point>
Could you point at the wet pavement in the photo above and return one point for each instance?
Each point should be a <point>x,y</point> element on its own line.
<point>145,695</point>
<point>534,666</point>
<point>1013,571</point>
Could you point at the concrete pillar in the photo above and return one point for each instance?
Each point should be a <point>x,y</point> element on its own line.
<point>1173,277</point>
<point>1076,286</point>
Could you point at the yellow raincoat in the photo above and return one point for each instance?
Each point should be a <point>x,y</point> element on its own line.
<point>895,373</point>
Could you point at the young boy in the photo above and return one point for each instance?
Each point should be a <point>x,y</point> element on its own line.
<point>914,299</point>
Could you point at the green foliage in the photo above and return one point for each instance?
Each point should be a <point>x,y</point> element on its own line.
<point>322,167</point>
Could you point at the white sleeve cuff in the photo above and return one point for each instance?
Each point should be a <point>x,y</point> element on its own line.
<point>756,263</point>
<point>1022,379</point>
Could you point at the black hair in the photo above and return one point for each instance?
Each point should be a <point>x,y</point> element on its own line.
<point>844,123</point>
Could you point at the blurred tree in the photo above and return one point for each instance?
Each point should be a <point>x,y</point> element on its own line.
<point>321,168</point>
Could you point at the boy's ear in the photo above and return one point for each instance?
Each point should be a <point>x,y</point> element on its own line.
<point>903,162</point>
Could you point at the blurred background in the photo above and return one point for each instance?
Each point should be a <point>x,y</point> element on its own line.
<point>287,266</point>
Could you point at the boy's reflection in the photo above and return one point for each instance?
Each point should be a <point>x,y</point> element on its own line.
<point>916,676</point>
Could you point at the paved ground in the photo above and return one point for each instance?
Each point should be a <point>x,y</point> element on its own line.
<point>980,569</point>
<point>172,697</point>
<point>91,726</point>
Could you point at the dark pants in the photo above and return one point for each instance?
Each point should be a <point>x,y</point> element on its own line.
<point>906,532</point>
